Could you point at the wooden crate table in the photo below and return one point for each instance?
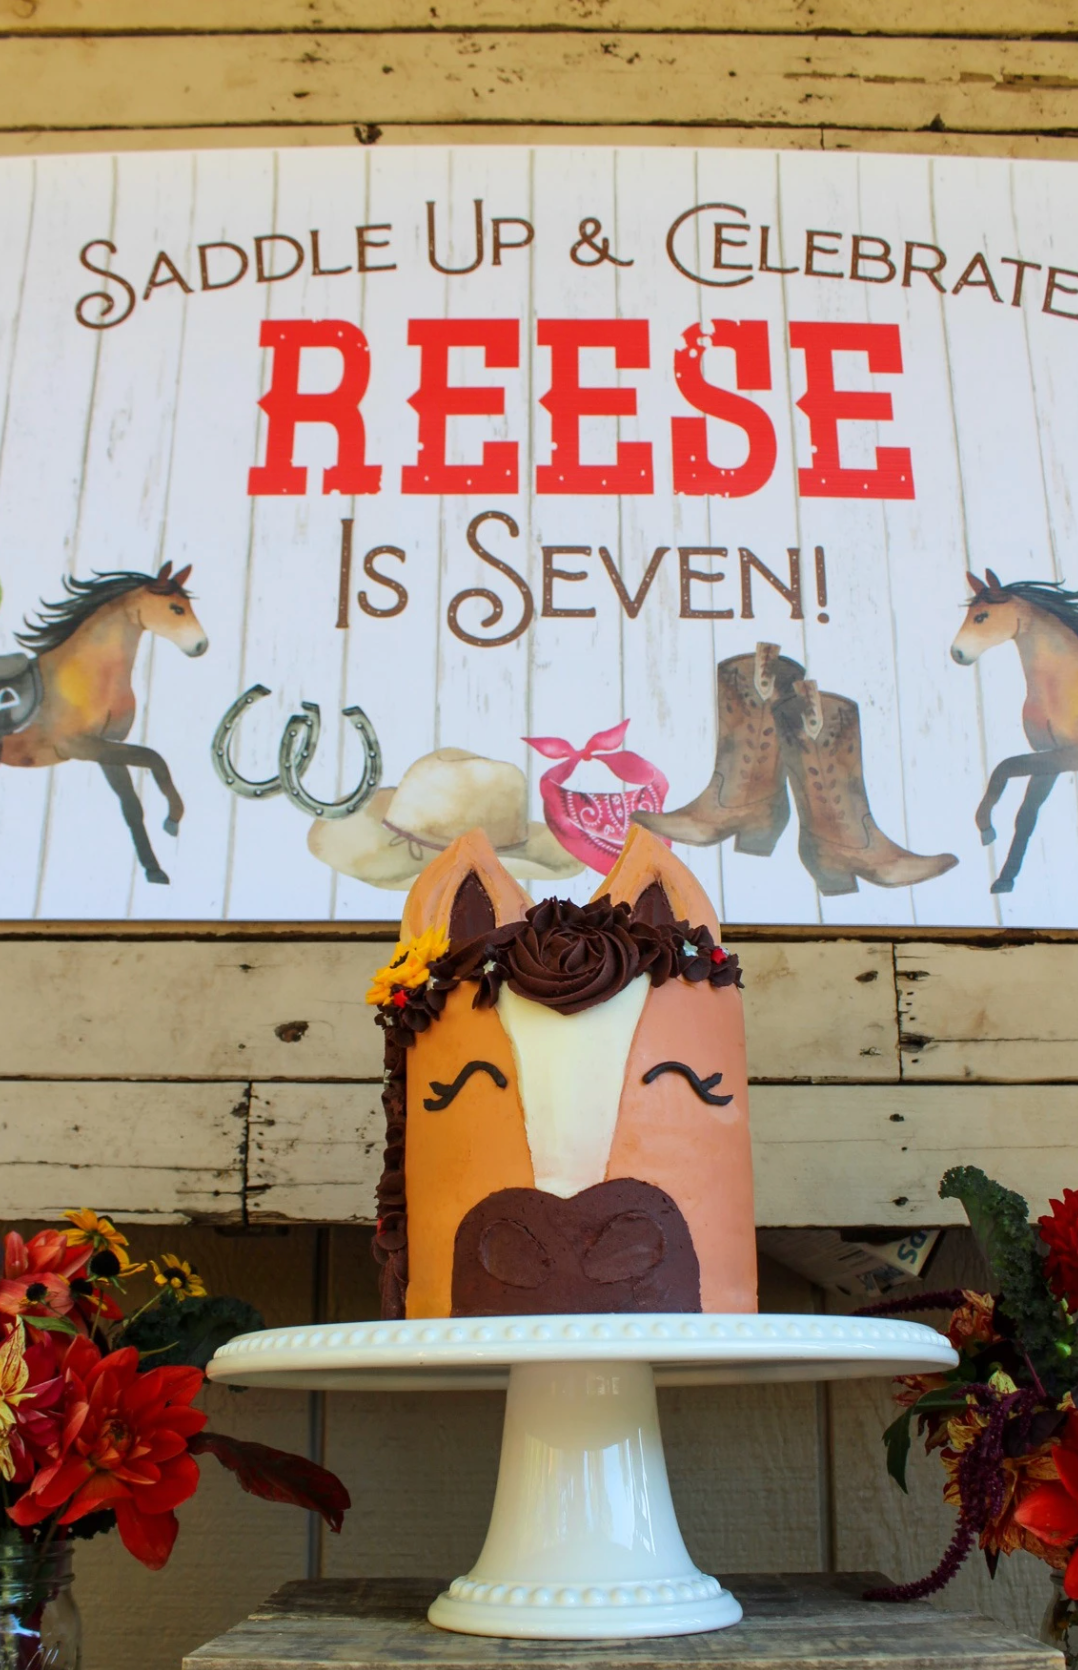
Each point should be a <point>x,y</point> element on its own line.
<point>812,1620</point>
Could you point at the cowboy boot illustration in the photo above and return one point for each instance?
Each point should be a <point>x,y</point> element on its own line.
<point>746,796</point>
<point>840,840</point>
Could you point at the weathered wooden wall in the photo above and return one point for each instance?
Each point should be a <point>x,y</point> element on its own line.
<point>229,1081</point>
<point>248,1072</point>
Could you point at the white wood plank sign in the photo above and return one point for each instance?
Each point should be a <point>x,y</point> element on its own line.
<point>351,499</point>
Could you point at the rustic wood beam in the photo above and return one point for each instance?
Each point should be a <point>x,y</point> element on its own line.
<point>218,1009</point>
<point>983,18</point>
<point>559,76</point>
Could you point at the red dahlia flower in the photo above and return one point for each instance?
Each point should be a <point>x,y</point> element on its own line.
<point>47,1251</point>
<point>1050,1511</point>
<point>124,1447</point>
<point>38,1274</point>
<point>1059,1232</point>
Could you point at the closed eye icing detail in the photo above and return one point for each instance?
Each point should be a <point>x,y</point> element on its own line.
<point>703,1087</point>
<point>444,1093</point>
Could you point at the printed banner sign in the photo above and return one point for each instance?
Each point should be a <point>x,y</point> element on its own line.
<point>353,499</point>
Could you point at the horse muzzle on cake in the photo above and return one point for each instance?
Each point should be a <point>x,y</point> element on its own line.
<point>619,1246</point>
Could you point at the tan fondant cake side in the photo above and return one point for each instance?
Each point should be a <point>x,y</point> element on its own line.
<point>699,1153</point>
<point>457,1155</point>
<point>566,1097</point>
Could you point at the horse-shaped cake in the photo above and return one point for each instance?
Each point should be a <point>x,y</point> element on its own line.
<point>565,1094</point>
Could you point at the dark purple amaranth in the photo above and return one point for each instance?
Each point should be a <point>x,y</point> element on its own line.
<point>982,1485</point>
<point>946,1298</point>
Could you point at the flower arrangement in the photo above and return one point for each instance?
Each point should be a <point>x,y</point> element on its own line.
<point>97,1420</point>
<point>1005,1421</point>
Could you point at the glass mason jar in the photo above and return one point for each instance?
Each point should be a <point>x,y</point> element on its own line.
<point>40,1627</point>
<point>1059,1627</point>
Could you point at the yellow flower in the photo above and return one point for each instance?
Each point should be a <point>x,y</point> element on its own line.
<point>410,965</point>
<point>13,1377</point>
<point>181,1277</point>
<point>90,1230</point>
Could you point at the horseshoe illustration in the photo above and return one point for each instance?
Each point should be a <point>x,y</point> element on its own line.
<point>221,750</point>
<point>298,743</point>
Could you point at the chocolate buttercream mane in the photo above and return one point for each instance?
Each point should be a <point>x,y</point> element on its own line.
<point>390,1244</point>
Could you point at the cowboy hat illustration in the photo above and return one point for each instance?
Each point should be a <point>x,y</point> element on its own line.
<point>440,797</point>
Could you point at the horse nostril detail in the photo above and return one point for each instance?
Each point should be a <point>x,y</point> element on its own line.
<point>957,655</point>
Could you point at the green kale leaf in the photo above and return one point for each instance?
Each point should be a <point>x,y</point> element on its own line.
<point>999,1219</point>
<point>188,1331</point>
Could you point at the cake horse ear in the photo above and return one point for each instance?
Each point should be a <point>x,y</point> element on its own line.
<point>466,890</point>
<point>658,886</point>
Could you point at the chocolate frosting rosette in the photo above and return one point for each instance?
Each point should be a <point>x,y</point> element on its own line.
<point>569,957</point>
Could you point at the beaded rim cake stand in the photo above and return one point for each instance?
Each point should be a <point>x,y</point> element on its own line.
<point>583,1542</point>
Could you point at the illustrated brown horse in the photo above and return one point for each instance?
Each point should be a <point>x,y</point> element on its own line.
<point>83,706</point>
<point>1041,617</point>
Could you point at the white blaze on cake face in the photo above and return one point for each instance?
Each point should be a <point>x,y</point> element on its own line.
<point>571,1070</point>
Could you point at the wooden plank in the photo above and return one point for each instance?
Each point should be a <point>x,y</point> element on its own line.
<point>907,17</point>
<point>312,1152</point>
<point>875,1155</point>
<point>161,1153</point>
<point>789,1620</point>
<point>59,140</point>
<point>190,1010</point>
<point>795,1031</point>
<point>165,81</point>
<point>280,1010</point>
<point>1009,1014</point>
<point>823,1156</point>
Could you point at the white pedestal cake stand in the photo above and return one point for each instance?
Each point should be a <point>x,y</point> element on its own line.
<point>583,1541</point>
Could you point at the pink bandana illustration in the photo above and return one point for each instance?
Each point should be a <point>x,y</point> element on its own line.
<point>593,827</point>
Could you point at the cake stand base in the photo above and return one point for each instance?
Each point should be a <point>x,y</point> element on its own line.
<point>583,1540</point>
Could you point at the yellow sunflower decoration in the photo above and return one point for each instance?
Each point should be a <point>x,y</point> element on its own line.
<point>410,965</point>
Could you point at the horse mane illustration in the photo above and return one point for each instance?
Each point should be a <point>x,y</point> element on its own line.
<point>1051,595</point>
<point>57,622</point>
